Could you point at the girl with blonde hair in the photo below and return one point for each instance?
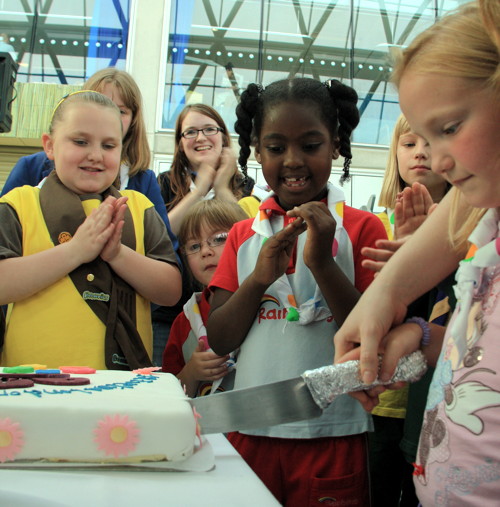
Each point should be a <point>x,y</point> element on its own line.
<point>134,174</point>
<point>449,89</point>
<point>409,162</point>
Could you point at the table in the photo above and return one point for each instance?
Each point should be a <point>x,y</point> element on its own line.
<point>231,483</point>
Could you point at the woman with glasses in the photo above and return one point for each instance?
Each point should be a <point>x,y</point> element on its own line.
<point>204,164</point>
<point>202,237</point>
<point>204,167</point>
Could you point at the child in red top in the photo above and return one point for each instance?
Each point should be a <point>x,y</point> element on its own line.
<point>288,278</point>
<point>202,237</point>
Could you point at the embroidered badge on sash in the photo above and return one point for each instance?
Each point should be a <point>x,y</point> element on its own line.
<point>95,296</point>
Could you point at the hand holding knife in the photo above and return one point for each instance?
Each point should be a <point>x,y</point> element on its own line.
<point>295,399</point>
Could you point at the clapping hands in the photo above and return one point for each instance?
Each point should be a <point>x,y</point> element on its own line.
<point>217,172</point>
<point>101,232</point>
<point>321,228</point>
<point>413,206</point>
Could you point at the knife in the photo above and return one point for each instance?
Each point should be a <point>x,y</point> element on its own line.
<point>296,399</point>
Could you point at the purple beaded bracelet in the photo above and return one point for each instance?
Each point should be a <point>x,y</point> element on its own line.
<point>424,326</point>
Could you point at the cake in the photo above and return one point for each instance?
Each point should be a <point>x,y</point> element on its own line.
<point>117,416</point>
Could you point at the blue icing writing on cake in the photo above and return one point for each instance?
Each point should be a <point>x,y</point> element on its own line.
<point>130,384</point>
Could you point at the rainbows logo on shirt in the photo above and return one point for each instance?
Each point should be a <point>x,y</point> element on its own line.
<point>271,299</point>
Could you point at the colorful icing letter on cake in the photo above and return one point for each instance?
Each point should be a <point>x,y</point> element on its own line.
<point>109,416</point>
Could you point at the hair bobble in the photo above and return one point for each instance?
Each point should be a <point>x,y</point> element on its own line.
<point>255,90</point>
<point>343,91</point>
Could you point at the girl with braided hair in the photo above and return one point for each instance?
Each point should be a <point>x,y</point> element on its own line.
<point>291,275</point>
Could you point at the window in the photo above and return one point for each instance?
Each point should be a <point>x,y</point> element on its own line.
<point>217,47</point>
<point>64,42</point>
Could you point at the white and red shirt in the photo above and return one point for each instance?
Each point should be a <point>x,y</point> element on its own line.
<point>182,341</point>
<point>276,349</point>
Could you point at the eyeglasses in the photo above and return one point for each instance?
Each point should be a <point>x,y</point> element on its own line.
<point>207,131</point>
<point>214,241</point>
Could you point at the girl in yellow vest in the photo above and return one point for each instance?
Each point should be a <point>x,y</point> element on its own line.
<point>80,262</point>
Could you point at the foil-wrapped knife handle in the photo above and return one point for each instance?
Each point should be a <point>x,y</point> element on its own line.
<point>328,382</point>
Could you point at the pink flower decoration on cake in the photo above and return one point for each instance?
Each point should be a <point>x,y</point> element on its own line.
<point>116,435</point>
<point>147,371</point>
<point>11,439</point>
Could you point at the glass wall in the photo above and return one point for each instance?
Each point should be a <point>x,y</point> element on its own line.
<point>217,47</point>
<point>61,41</point>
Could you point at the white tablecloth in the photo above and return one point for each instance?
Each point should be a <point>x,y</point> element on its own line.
<point>231,483</point>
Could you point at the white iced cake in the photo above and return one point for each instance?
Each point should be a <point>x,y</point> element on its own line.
<point>118,417</point>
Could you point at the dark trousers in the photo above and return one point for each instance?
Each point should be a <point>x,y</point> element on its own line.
<point>391,476</point>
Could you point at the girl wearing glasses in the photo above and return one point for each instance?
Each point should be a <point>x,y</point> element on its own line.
<point>202,237</point>
<point>204,165</point>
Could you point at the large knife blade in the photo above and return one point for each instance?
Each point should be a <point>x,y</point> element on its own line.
<point>295,399</point>
<point>256,407</point>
